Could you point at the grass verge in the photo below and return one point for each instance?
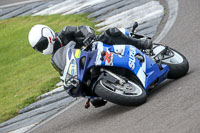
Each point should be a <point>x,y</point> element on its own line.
<point>24,73</point>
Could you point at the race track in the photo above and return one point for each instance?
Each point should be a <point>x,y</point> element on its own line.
<point>5,2</point>
<point>172,107</point>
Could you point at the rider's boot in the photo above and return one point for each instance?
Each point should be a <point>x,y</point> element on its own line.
<point>142,43</point>
<point>115,36</point>
<point>145,43</point>
<point>98,103</point>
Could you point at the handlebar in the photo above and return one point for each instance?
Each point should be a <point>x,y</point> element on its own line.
<point>88,41</point>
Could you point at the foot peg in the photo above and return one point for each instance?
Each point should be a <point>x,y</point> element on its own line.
<point>98,103</point>
<point>87,104</point>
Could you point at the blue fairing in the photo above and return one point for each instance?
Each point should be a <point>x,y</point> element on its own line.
<point>89,62</point>
<point>123,56</point>
<point>147,71</point>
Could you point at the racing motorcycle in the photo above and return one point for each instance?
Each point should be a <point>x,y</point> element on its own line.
<point>121,74</point>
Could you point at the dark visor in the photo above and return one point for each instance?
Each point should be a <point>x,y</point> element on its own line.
<point>42,44</point>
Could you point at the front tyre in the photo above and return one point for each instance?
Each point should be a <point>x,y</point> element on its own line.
<point>129,94</point>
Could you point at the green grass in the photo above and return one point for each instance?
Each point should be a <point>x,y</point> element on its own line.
<point>25,73</point>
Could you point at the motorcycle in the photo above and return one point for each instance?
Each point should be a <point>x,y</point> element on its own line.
<point>121,74</point>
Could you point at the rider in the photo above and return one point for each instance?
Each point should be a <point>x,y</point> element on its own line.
<point>43,39</point>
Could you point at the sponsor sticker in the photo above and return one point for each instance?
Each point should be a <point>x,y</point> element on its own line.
<point>107,57</point>
<point>72,68</point>
<point>131,62</point>
<point>78,53</point>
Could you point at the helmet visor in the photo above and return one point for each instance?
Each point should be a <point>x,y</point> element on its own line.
<point>42,44</point>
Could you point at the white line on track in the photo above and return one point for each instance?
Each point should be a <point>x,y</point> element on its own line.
<point>84,5</point>
<point>54,116</point>
<point>173,11</point>
<point>131,13</point>
<point>53,8</point>
<point>24,129</point>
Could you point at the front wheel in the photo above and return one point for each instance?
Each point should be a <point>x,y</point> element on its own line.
<point>128,94</point>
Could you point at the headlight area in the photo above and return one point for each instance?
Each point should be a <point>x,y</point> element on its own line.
<point>75,82</point>
<point>71,83</point>
<point>71,77</point>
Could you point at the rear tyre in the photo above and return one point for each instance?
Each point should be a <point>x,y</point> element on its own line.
<point>178,65</point>
<point>129,94</point>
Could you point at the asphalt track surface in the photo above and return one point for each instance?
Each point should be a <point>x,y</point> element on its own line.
<point>5,2</point>
<point>172,107</point>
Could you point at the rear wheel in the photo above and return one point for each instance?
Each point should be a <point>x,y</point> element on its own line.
<point>177,63</point>
<point>130,93</point>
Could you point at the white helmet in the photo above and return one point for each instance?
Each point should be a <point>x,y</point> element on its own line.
<point>41,38</point>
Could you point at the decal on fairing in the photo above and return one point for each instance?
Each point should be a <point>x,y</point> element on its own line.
<point>78,53</point>
<point>141,69</point>
<point>119,49</point>
<point>108,58</point>
<point>110,50</point>
<point>100,49</point>
<point>141,75</point>
<point>131,62</point>
<point>72,68</point>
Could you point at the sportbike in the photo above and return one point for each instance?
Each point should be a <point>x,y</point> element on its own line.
<point>121,74</point>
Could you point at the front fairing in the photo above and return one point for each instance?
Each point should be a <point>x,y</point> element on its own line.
<point>73,66</point>
<point>122,56</point>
